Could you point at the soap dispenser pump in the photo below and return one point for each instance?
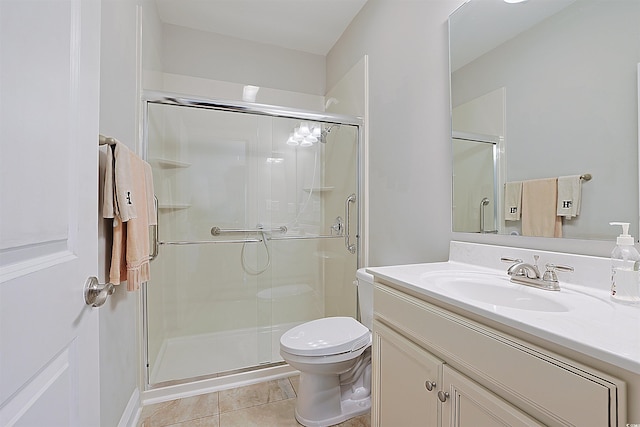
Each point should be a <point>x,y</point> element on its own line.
<point>625,263</point>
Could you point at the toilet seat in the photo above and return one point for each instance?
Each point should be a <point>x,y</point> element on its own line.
<point>326,337</point>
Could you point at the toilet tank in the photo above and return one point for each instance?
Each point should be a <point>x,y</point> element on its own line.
<point>364,281</point>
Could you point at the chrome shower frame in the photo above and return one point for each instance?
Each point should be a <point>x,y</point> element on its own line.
<point>166,98</point>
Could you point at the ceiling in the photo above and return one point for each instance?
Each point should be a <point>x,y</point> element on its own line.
<point>312,26</point>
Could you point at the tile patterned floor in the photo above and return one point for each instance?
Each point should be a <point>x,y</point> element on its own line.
<point>269,404</point>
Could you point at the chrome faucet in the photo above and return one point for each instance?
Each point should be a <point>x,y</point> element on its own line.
<point>527,274</point>
<point>524,269</point>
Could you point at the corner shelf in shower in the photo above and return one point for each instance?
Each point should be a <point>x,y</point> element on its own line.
<point>170,164</point>
<point>318,189</point>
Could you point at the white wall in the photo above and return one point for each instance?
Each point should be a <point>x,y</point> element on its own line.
<point>213,56</point>
<point>409,128</point>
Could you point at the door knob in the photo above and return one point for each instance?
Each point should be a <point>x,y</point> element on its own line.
<point>429,385</point>
<point>96,293</point>
<point>443,396</point>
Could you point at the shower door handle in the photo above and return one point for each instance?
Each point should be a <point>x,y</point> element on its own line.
<point>351,247</point>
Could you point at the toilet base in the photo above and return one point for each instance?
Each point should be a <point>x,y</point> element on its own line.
<point>350,409</point>
<point>326,400</point>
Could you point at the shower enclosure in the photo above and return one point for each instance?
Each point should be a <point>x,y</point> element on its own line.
<point>257,231</point>
<point>475,183</point>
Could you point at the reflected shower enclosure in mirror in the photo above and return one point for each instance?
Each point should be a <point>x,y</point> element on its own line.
<point>544,89</point>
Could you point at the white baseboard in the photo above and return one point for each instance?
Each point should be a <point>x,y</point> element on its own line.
<point>132,412</point>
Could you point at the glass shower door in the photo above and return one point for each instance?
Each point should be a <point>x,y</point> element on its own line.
<point>474,182</point>
<point>251,236</point>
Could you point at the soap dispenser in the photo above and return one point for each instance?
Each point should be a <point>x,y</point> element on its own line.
<point>625,262</point>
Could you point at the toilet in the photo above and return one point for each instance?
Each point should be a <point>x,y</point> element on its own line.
<point>333,356</point>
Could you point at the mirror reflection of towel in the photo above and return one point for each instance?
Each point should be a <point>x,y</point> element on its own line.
<point>512,200</point>
<point>539,217</point>
<point>569,196</point>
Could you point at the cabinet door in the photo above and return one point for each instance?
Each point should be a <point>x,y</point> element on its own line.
<point>470,405</point>
<point>405,382</point>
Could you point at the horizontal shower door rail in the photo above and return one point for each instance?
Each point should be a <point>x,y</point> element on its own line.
<point>249,107</point>
<point>208,242</point>
<point>216,231</point>
<point>319,236</point>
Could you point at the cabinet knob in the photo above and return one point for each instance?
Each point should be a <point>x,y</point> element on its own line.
<point>443,396</point>
<point>429,385</point>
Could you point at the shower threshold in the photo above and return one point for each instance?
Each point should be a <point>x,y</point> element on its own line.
<point>216,375</point>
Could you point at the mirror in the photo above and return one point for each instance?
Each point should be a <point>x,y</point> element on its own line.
<point>545,89</point>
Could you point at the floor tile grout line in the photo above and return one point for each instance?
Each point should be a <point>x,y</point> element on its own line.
<point>256,406</point>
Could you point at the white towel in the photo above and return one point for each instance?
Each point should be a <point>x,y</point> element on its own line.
<point>118,201</point>
<point>512,200</point>
<point>569,196</point>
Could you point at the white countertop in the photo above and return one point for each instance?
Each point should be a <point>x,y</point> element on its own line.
<point>581,318</point>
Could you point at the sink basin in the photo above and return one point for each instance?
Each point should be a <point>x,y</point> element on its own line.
<point>494,290</point>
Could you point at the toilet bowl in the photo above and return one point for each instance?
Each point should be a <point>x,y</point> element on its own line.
<point>333,356</point>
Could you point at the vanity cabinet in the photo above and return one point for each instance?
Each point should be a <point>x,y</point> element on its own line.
<point>467,404</point>
<point>485,377</point>
<point>406,378</point>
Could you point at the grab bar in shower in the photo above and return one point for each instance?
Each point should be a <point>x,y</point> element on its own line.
<point>351,247</point>
<point>216,231</point>
<point>484,202</point>
<point>155,245</point>
<point>207,242</point>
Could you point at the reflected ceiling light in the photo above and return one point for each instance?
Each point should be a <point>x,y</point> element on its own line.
<point>249,93</point>
<point>292,140</point>
<point>305,135</point>
<point>514,1</point>
<point>304,129</point>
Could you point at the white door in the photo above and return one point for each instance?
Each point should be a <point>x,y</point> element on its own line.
<point>49,109</point>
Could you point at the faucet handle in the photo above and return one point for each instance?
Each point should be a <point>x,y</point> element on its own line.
<point>511,260</point>
<point>551,276</point>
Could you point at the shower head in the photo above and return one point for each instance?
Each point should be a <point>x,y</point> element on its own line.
<point>327,131</point>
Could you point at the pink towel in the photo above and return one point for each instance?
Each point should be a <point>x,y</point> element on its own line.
<point>539,200</point>
<point>130,250</point>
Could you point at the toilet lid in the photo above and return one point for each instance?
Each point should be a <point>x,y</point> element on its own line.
<point>325,337</point>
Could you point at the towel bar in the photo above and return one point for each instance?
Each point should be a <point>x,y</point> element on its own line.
<point>105,140</point>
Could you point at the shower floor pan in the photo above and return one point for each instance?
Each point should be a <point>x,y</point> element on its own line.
<point>195,356</point>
